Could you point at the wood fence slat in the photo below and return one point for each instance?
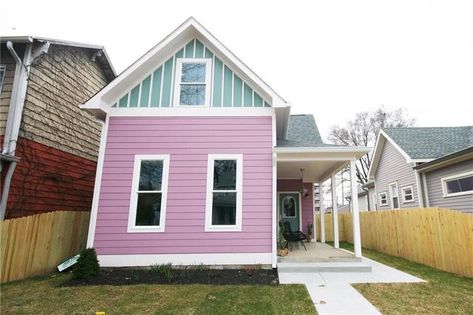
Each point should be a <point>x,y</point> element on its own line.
<point>34,245</point>
<point>440,238</point>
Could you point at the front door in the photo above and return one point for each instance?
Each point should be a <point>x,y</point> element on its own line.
<point>289,209</point>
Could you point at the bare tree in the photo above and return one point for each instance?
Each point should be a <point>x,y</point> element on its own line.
<point>363,130</point>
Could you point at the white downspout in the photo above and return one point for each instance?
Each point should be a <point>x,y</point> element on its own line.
<point>15,110</point>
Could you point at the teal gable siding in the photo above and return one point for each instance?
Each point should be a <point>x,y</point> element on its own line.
<point>227,90</point>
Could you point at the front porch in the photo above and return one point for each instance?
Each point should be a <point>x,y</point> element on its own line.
<point>297,171</point>
<point>320,257</point>
<point>317,252</point>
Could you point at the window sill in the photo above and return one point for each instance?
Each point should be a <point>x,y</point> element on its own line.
<point>408,201</point>
<point>146,229</point>
<point>464,193</point>
<point>223,228</point>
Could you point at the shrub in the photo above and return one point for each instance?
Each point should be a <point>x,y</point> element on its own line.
<point>87,266</point>
<point>165,270</point>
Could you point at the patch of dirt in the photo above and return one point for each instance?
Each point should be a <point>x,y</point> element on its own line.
<point>126,276</point>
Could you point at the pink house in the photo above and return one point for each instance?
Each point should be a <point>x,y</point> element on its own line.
<point>200,159</point>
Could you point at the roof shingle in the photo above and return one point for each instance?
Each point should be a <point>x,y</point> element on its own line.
<point>302,131</point>
<point>431,142</point>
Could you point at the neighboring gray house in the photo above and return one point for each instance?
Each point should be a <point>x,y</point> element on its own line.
<point>436,161</point>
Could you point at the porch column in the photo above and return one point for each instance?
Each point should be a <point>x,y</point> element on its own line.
<point>322,214</point>
<point>313,213</point>
<point>355,210</point>
<point>335,211</point>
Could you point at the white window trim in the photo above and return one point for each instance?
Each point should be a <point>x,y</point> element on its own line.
<point>209,227</point>
<point>132,228</point>
<point>394,184</point>
<point>177,80</point>
<point>444,181</point>
<point>381,203</point>
<point>403,193</point>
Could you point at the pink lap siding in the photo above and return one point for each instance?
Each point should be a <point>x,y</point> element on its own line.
<point>188,141</point>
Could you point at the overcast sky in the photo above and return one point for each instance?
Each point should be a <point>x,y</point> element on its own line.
<point>328,58</point>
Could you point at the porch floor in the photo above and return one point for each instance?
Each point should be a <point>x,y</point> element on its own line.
<point>317,252</point>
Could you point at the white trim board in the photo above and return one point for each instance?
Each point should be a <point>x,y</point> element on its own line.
<point>97,185</point>
<point>190,111</point>
<point>135,260</point>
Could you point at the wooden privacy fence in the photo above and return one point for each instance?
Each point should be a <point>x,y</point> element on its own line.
<point>440,238</point>
<point>36,244</point>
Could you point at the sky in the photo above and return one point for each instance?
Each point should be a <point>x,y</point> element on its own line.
<point>331,58</point>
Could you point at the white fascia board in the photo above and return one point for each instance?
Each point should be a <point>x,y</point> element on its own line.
<point>186,111</point>
<point>164,50</point>
<point>355,150</point>
<point>282,121</point>
<point>378,150</point>
<point>376,155</point>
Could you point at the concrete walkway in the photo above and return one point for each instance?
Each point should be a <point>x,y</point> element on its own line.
<point>332,292</point>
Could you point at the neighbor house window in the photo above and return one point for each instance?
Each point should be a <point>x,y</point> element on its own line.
<point>458,184</point>
<point>2,76</point>
<point>148,195</point>
<point>192,82</point>
<point>383,199</point>
<point>407,194</point>
<point>224,193</point>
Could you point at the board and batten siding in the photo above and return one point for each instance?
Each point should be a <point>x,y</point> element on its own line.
<point>307,203</point>
<point>392,167</point>
<point>433,180</point>
<point>188,141</point>
<point>227,90</point>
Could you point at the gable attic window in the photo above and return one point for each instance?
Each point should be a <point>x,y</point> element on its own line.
<point>192,82</point>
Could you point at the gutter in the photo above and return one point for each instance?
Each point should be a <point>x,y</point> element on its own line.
<point>15,113</point>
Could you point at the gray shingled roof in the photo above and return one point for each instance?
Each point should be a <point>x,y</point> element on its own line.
<point>431,142</point>
<point>302,131</point>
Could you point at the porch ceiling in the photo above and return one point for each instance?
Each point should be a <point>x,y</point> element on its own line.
<point>314,171</point>
<point>318,162</point>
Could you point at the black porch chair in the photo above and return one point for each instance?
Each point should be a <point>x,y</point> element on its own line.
<point>293,236</point>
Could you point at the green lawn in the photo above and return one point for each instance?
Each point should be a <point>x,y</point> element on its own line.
<point>43,296</point>
<point>444,293</point>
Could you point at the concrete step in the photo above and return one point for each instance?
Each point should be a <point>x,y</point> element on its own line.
<point>324,267</point>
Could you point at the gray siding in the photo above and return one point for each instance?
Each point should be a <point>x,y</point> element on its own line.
<point>434,188</point>
<point>392,167</point>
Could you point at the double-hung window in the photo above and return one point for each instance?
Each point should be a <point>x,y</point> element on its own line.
<point>383,199</point>
<point>407,194</point>
<point>148,195</point>
<point>192,82</point>
<point>458,184</point>
<point>224,193</point>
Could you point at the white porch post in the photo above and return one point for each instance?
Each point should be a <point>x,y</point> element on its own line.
<point>355,210</point>
<point>335,211</point>
<point>322,214</point>
<point>313,213</point>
